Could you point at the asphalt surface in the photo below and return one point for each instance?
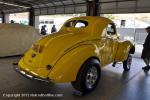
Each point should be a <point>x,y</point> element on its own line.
<point>115,84</point>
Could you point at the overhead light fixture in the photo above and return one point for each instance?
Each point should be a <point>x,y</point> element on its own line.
<point>10,4</point>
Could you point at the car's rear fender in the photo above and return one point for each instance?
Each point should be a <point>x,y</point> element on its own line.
<point>67,67</point>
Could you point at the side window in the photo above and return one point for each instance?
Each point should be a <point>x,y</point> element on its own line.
<point>80,25</point>
<point>70,24</point>
<point>77,24</point>
<point>111,29</point>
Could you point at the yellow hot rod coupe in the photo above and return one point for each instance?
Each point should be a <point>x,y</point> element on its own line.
<point>77,53</point>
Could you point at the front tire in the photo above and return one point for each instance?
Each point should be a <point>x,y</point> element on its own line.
<point>127,63</point>
<point>88,76</point>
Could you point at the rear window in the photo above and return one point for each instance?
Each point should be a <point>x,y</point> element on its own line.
<point>77,24</point>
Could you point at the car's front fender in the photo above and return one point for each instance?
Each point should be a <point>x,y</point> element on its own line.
<point>123,50</point>
<point>67,67</point>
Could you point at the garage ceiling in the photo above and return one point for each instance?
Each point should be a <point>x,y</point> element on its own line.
<point>44,7</point>
<point>125,6</point>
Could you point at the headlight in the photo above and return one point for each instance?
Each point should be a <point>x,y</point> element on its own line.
<point>37,48</point>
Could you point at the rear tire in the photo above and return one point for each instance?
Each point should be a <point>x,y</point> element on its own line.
<point>88,77</point>
<point>127,63</point>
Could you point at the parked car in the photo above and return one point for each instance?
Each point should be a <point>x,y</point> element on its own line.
<point>16,39</point>
<point>77,53</point>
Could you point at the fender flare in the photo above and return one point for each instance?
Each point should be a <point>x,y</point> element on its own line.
<point>132,50</point>
<point>66,69</point>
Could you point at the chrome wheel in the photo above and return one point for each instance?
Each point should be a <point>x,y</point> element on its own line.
<point>88,76</point>
<point>91,77</point>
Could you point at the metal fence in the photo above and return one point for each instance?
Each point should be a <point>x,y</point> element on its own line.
<point>135,35</point>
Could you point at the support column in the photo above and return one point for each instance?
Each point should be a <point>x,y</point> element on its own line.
<point>31,17</point>
<point>37,22</point>
<point>92,8</point>
<point>5,18</point>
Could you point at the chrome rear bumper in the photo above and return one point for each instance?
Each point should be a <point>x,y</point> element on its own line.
<point>28,75</point>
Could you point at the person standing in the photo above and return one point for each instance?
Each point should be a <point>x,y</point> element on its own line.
<point>12,21</point>
<point>146,50</point>
<point>53,29</point>
<point>43,30</point>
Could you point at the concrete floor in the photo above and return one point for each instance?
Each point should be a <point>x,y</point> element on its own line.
<point>114,84</point>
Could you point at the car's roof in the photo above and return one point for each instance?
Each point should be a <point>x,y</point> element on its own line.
<point>92,18</point>
<point>96,24</point>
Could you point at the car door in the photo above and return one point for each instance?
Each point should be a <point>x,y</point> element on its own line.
<point>109,41</point>
<point>113,41</point>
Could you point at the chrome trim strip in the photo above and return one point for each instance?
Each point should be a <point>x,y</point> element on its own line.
<point>22,72</point>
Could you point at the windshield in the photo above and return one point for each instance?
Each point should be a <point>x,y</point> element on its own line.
<point>77,24</point>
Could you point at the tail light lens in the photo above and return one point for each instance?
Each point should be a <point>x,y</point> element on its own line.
<point>37,48</point>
